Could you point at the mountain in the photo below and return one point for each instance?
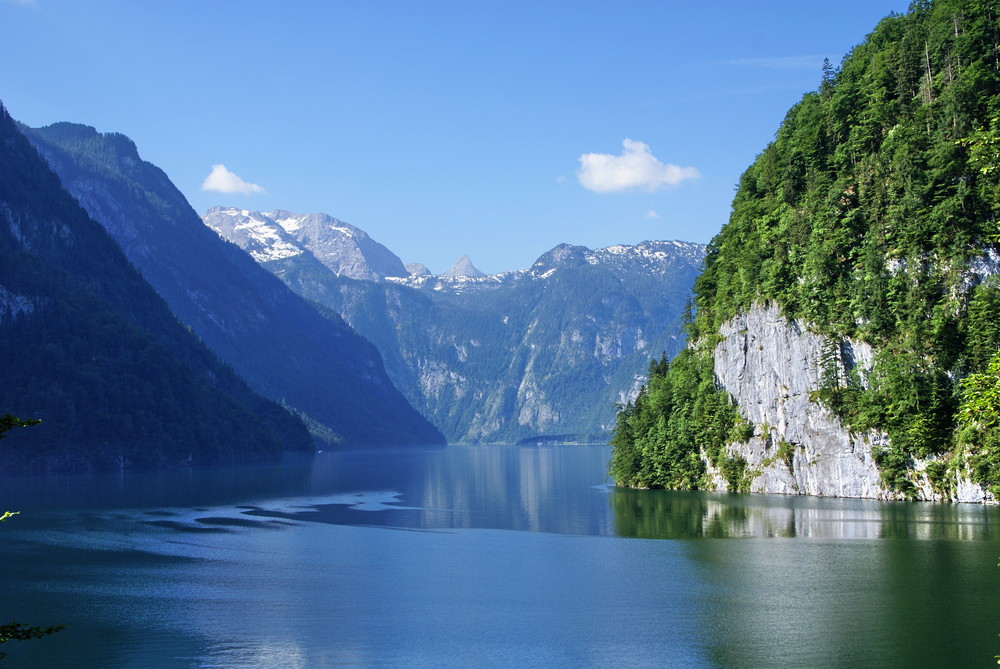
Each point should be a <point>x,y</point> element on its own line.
<point>846,325</point>
<point>463,267</point>
<point>340,247</point>
<point>314,364</point>
<point>535,354</point>
<point>416,269</point>
<point>88,347</point>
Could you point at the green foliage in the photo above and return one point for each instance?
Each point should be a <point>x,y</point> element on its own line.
<point>19,632</point>
<point>862,218</point>
<point>678,419</point>
<point>979,423</point>
<point>734,470</point>
<point>786,453</point>
<point>893,464</point>
<point>8,422</point>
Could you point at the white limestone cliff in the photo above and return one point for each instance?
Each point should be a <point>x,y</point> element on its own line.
<point>770,365</point>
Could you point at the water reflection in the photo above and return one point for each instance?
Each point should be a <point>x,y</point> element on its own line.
<point>535,489</point>
<point>833,601</point>
<point>670,514</point>
<point>561,490</point>
<point>247,567</point>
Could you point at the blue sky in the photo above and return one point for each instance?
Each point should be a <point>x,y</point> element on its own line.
<point>493,129</point>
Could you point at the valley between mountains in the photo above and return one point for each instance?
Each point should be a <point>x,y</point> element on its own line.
<point>314,316</point>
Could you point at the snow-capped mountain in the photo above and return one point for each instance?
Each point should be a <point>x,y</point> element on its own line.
<point>639,262</point>
<point>543,352</point>
<point>340,247</point>
<point>417,269</point>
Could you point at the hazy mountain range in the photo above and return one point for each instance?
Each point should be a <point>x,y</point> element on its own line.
<point>539,353</point>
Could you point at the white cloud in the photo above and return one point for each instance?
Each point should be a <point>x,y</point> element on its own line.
<point>636,167</point>
<point>652,214</point>
<point>223,181</point>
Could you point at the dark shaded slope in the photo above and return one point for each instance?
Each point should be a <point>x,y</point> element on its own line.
<point>88,346</point>
<point>274,339</point>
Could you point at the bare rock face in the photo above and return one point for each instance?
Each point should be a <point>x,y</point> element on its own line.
<point>770,365</point>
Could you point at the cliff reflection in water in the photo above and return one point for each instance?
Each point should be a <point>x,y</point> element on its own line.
<point>672,514</point>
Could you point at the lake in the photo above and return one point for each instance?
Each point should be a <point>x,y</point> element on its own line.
<point>485,556</point>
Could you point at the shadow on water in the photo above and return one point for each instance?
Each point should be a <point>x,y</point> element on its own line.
<point>534,489</point>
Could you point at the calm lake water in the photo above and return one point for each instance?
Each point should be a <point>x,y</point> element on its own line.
<point>485,556</point>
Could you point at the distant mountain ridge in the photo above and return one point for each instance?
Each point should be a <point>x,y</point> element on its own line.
<point>520,355</point>
<point>315,365</point>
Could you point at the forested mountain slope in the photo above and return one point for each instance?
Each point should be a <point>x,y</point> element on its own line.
<point>848,319</point>
<point>89,348</point>
<point>285,350</point>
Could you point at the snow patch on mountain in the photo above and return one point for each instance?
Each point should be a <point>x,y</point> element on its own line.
<point>275,235</point>
<point>649,257</point>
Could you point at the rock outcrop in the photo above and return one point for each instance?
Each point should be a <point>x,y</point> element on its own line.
<point>771,365</point>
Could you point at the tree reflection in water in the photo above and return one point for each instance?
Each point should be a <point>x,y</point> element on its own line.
<point>674,514</point>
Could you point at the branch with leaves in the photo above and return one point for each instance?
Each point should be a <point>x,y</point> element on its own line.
<point>18,631</point>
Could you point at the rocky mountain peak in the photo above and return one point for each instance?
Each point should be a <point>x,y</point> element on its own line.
<point>344,249</point>
<point>463,267</point>
<point>417,269</point>
<point>557,256</point>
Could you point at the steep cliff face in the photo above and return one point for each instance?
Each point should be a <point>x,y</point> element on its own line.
<point>771,366</point>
